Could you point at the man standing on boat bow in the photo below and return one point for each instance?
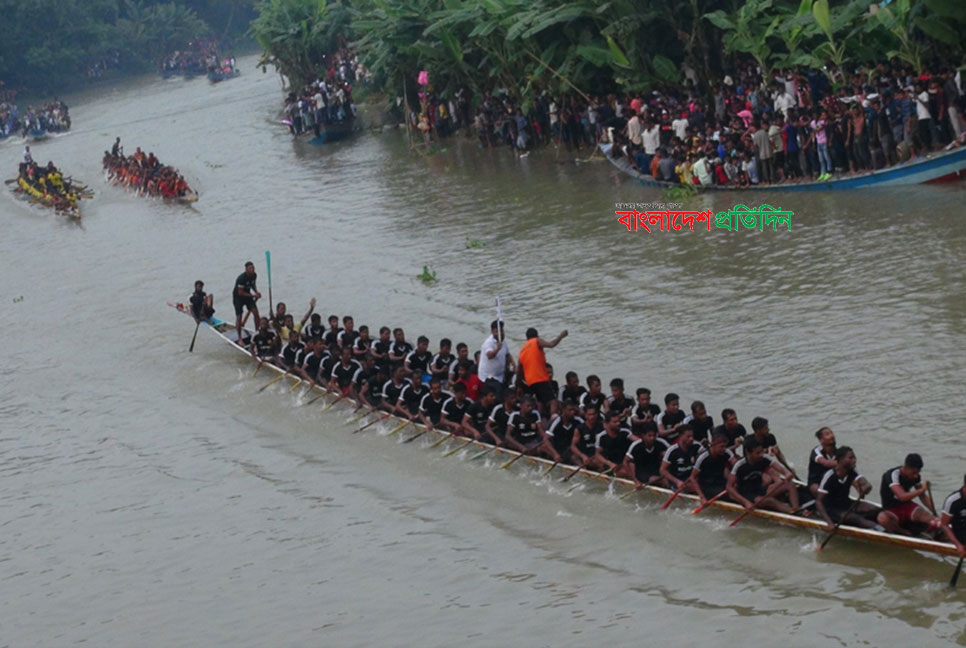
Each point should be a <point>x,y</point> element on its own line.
<point>244,296</point>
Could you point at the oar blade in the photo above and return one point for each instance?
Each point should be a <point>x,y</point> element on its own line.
<point>955,578</point>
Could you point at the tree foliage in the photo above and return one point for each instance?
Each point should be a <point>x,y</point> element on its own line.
<point>528,46</point>
<point>45,44</point>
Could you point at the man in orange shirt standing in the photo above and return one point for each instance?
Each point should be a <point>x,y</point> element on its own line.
<point>532,370</point>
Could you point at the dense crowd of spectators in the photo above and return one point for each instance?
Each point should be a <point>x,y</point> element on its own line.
<point>793,126</point>
<point>327,100</point>
<point>53,117</point>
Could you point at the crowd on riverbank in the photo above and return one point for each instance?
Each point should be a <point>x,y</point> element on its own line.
<point>328,99</point>
<point>53,117</point>
<point>790,127</point>
<point>198,57</point>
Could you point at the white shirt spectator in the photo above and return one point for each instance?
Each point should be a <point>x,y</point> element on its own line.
<point>494,367</point>
<point>680,126</point>
<point>652,139</point>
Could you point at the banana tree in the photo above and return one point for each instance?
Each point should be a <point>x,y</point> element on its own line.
<point>748,30</point>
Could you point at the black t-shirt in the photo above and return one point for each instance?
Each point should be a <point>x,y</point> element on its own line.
<point>595,401</point>
<point>264,343</point>
<point>245,283</point>
<point>391,391</point>
<point>500,417</point>
<point>292,354</point>
<point>347,338</point>
<point>739,431</point>
<point>361,345</point>
<point>332,337</point>
<point>955,507</point>
<point>836,489</point>
<point>769,441</point>
<point>614,448</point>
<point>711,471</point>
<point>454,411</point>
<point>326,366</point>
<point>311,362</point>
<point>749,476</point>
<point>816,470</point>
<point>894,476</point>
<point>641,413</point>
<point>419,362</point>
<point>702,429</point>
<point>197,300</point>
<point>525,429</point>
<point>647,461</point>
<point>681,459</point>
<point>400,349</point>
<point>313,331</point>
<point>381,348</point>
<point>587,437</point>
<point>572,394</point>
<point>433,407</point>
<point>562,434</point>
<point>440,365</point>
<point>412,397</point>
<point>669,420</point>
<point>343,374</point>
<point>478,415</point>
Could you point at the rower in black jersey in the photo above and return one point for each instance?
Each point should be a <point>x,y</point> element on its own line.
<point>380,349</point>
<point>710,474</point>
<point>730,426</point>
<point>618,400</point>
<point>645,455</point>
<point>643,411</point>
<point>431,406</point>
<point>499,417</point>
<point>399,348</point>
<point>392,389</point>
<point>265,343</point>
<point>754,480</point>
<point>417,360</point>
<point>243,297</point>
<point>331,336</point>
<point>671,419</point>
<point>821,459</point>
<point>314,329</point>
<point>441,365</point>
<point>832,496</point>
<point>293,353</point>
<point>953,518</point>
<point>344,372</point>
<point>899,489</point>
<point>524,431</point>
<point>572,389</point>
<point>562,431</point>
<point>202,304</point>
<point>700,423</point>
<point>678,461</point>
<point>312,359</point>
<point>611,443</point>
<point>593,398</point>
<point>369,383</point>
<point>454,409</point>
<point>477,414</point>
<point>360,348</point>
<point>348,334</point>
<point>329,361</point>
<point>584,446</point>
<point>412,396</point>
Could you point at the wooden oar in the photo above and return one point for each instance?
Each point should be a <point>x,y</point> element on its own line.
<point>575,486</point>
<point>480,454</point>
<point>841,520</point>
<point>332,404</point>
<point>932,506</point>
<point>381,418</point>
<point>258,365</point>
<point>674,495</point>
<point>709,502</point>
<point>512,461</point>
<point>272,382</point>
<point>955,578</point>
<point>753,507</point>
<point>460,447</point>
<point>416,436</point>
<point>631,492</point>
<point>193,337</point>
<point>400,427</point>
<point>575,471</point>
<point>547,471</point>
<point>356,418</point>
<point>295,385</point>
<point>442,439</point>
<point>320,396</point>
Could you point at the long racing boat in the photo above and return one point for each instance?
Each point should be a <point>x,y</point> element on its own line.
<point>935,167</point>
<point>227,333</point>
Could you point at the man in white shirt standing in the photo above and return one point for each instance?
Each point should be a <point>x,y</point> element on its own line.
<point>680,126</point>
<point>495,359</point>
<point>633,130</point>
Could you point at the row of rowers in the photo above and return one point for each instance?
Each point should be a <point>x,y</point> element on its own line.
<point>493,399</point>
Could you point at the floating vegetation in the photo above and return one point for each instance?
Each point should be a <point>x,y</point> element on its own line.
<point>672,194</point>
<point>427,276</point>
<point>474,244</point>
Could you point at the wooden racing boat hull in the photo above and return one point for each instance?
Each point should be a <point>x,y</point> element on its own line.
<point>936,167</point>
<point>226,332</point>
